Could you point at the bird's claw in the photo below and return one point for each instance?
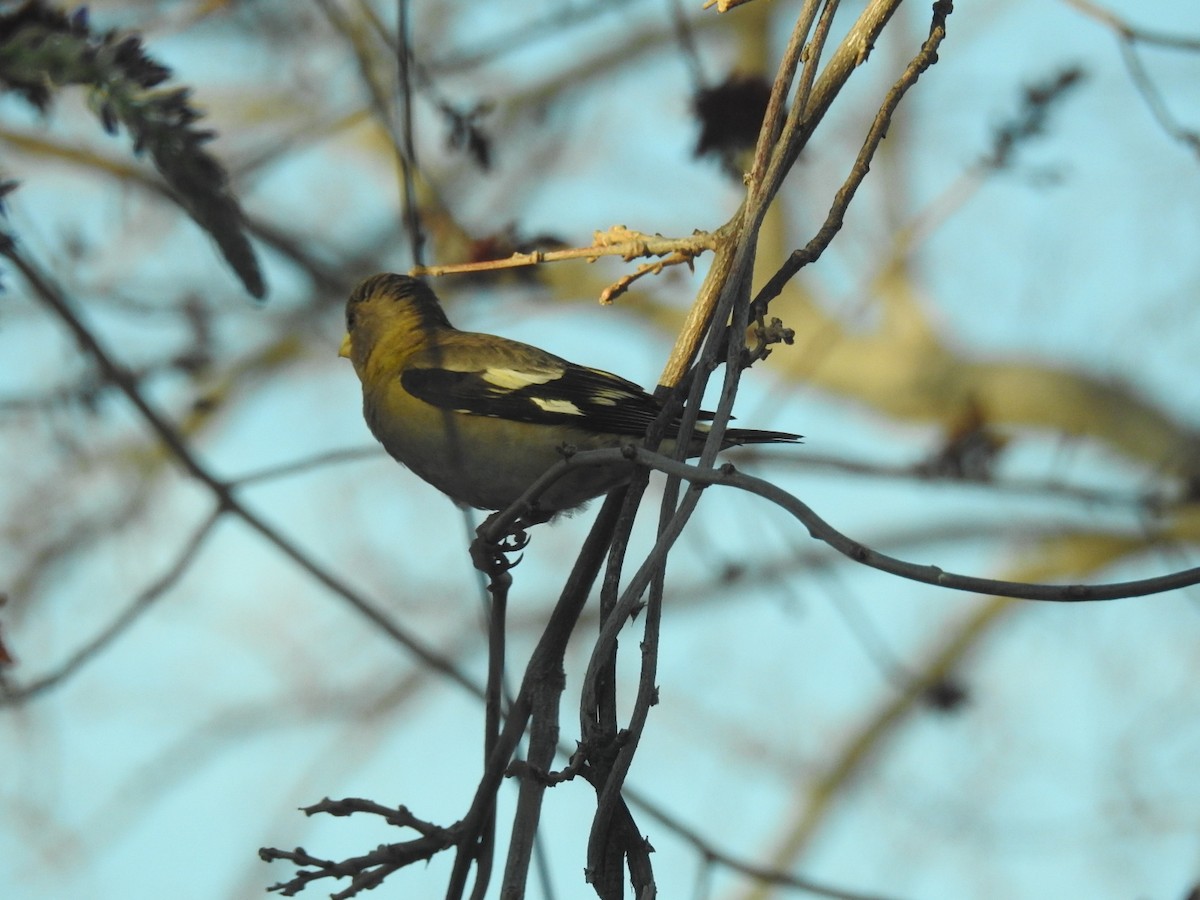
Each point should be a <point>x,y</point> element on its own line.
<point>490,556</point>
<point>513,543</point>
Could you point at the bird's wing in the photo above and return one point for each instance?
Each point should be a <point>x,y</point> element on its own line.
<point>509,380</point>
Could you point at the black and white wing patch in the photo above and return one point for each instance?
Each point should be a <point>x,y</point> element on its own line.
<point>559,394</point>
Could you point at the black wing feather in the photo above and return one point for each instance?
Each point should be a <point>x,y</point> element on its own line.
<point>577,397</point>
<point>542,389</point>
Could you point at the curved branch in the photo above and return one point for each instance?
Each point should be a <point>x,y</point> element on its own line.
<point>818,528</point>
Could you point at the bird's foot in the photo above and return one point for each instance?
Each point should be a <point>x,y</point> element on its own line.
<point>490,552</point>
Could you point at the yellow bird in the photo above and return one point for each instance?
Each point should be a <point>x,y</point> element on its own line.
<point>481,417</point>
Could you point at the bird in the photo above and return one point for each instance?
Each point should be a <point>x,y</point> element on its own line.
<point>481,417</point>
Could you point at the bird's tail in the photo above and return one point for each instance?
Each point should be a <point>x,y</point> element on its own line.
<point>735,437</point>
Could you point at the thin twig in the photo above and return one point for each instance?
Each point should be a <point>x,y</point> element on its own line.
<point>142,602</point>
<point>1154,100</point>
<point>1132,32</point>
<point>1128,37</point>
<point>616,241</point>
<point>862,163</point>
<point>307,464</point>
<point>757,871</point>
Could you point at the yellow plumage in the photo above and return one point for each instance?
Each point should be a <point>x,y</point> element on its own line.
<point>481,417</point>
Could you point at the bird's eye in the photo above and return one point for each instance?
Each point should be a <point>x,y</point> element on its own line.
<point>350,320</point>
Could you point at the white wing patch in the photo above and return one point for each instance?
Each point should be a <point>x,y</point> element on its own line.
<point>515,379</point>
<point>609,397</point>
<point>562,407</point>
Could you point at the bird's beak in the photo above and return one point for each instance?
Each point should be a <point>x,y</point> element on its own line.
<point>344,350</point>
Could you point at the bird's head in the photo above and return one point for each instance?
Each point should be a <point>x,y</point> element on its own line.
<point>397,309</point>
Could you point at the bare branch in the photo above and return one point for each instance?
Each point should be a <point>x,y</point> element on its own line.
<point>821,530</point>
